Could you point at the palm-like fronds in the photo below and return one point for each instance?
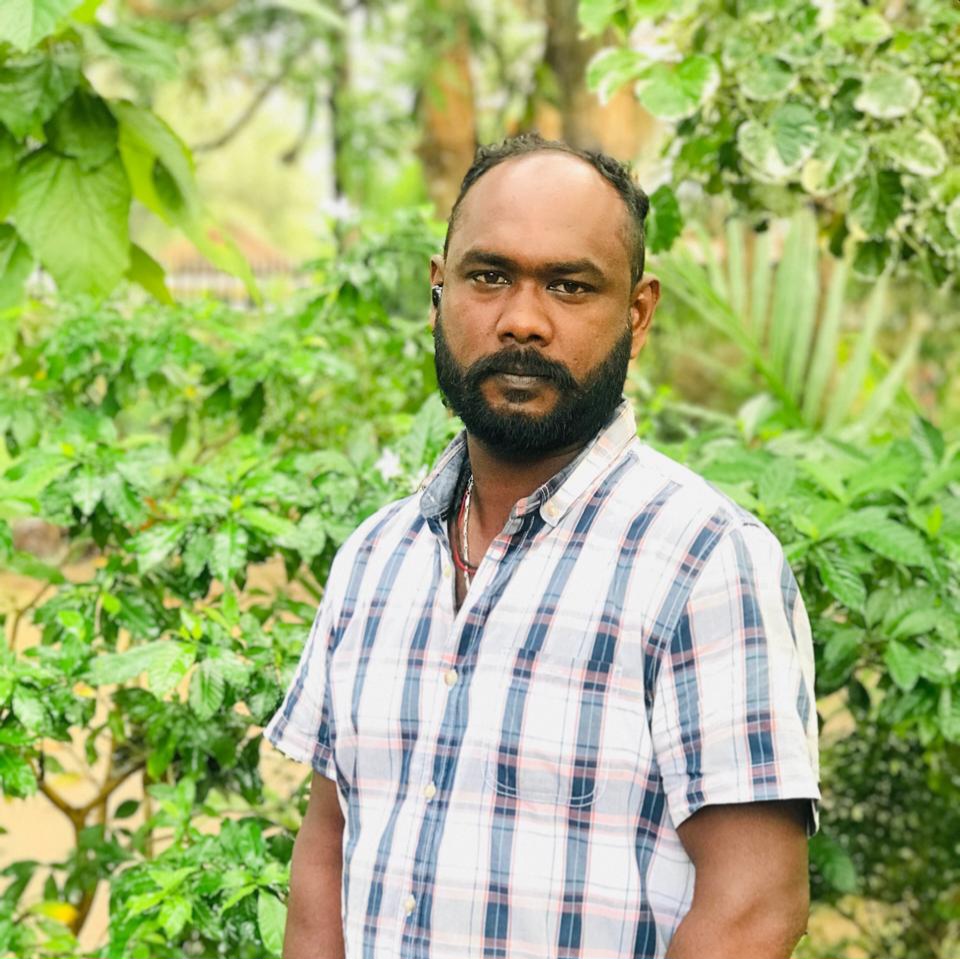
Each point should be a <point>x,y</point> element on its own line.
<point>787,317</point>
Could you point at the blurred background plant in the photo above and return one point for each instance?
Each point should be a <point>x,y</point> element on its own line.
<point>215,221</point>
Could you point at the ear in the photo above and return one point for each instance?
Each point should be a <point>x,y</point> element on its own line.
<point>436,279</point>
<point>643,303</point>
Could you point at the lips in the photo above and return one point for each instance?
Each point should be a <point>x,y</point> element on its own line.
<point>521,381</point>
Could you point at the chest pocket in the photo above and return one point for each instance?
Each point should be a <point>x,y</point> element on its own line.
<point>557,738</point>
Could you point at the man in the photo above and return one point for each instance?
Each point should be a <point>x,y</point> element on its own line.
<point>559,703</point>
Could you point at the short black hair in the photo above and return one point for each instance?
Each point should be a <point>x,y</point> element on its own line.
<point>613,171</point>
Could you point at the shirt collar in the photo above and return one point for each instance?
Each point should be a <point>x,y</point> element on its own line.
<point>554,497</point>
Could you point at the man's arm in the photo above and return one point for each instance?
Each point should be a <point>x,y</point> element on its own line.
<point>751,895</point>
<point>314,925</point>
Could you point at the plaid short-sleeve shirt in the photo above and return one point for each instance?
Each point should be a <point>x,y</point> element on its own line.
<point>632,648</point>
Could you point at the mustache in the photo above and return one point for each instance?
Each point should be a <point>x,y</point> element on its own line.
<point>521,363</point>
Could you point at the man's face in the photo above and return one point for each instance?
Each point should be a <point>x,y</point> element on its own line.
<point>539,318</point>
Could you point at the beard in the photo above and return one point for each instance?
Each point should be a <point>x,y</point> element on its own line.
<point>582,407</point>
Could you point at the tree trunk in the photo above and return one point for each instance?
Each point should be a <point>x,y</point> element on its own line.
<point>446,106</point>
<point>621,127</point>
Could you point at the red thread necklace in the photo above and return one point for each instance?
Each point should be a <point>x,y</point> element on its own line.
<point>461,557</point>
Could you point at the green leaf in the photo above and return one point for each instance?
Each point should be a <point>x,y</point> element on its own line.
<point>174,914</point>
<point>314,10</point>
<point>896,542</point>
<point>665,222</point>
<point>136,48</point>
<point>948,714</point>
<point>207,687</point>
<point>916,150</point>
<point>902,665</point>
<point>9,156</point>
<point>917,622</point>
<point>777,150</point>
<point>126,809</point>
<point>24,23</point>
<point>767,79</point>
<point>229,552</point>
<point>308,537</point>
<point>75,221</point>
<point>152,546</point>
<point>271,919</point>
<point>841,580</point>
<point>196,553</point>
<point>28,708</point>
<point>145,271</point>
<point>837,161</point>
<point>776,481</point>
<point>16,775</point>
<point>33,88</point>
<point>872,259</point>
<point>86,488</point>
<point>596,15</point>
<point>251,409</point>
<point>877,201</point>
<point>613,68</point>
<point>148,146</point>
<point>83,128</point>
<point>676,91</point>
<point>166,664</point>
<point>270,524</point>
<point>953,217</point>
<point>833,862</point>
<point>871,28</point>
<point>889,95</point>
<point>16,262</point>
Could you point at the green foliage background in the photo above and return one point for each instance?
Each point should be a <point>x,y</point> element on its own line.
<point>807,232</point>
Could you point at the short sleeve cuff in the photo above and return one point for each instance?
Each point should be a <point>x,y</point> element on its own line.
<point>683,802</point>
<point>302,749</point>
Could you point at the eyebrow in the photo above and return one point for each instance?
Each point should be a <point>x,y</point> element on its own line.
<point>581,267</point>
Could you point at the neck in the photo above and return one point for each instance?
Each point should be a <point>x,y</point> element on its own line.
<point>498,483</point>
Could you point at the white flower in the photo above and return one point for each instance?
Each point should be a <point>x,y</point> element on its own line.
<point>388,466</point>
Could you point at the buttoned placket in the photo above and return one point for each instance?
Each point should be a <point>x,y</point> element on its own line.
<point>451,682</point>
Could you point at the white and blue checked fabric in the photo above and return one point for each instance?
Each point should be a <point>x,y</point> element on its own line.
<point>632,648</point>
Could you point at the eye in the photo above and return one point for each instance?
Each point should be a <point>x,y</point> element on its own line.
<point>489,278</point>
<point>569,287</point>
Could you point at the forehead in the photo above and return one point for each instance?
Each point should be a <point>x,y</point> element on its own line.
<point>541,208</point>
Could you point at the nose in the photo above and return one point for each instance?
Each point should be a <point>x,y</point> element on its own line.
<point>524,316</point>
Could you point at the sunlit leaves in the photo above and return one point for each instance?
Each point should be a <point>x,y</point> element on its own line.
<point>33,87</point>
<point>84,128</point>
<point>271,918</point>
<point>675,91</point>
<point>887,96</point>
<point>665,220</point>
<point>877,201</point>
<point>612,68</point>
<point>768,79</point>
<point>825,101</point>
<point>16,261</point>
<point>776,150</point>
<point>915,150</point>
<point>837,161</point>
<point>24,23</point>
<point>53,190</point>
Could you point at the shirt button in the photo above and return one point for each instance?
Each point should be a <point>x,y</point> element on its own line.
<point>409,904</point>
<point>430,790</point>
<point>446,572</point>
<point>551,510</point>
<point>450,677</point>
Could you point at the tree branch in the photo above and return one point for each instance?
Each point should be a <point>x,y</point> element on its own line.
<point>75,815</point>
<point>144,8</point>
<point>19,614</point>
<point>253,107</point>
